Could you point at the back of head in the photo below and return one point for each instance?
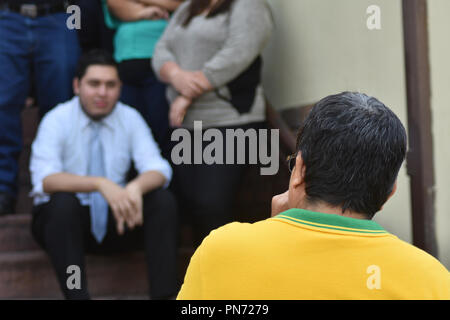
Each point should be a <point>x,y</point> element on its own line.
<point>352,146</point>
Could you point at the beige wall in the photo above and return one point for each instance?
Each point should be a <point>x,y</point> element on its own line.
<point>321,47</point>
<point>439,28</point>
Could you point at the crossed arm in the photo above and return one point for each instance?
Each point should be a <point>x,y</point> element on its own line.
<point>189,84</point>
<point>170,5</point>
<point>250,25</point>
<point>135,10</point>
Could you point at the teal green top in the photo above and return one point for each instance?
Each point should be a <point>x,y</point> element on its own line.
<point>134,40</point>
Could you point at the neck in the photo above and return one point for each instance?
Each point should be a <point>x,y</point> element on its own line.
<point>324,208</point>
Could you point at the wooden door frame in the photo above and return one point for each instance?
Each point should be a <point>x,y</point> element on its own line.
<point>420,163</point>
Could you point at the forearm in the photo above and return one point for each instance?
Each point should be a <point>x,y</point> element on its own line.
<point>126,10</point>
<point>190,84</point>
<point>148,181</point>
<point>67,182</point>
<point>170,5</point>
<point>168,71</point>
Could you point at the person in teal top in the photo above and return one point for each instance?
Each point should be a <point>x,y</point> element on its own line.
<point>139,25</point>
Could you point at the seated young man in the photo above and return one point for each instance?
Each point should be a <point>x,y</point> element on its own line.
<point>321,242</point>
<point>83,202</point>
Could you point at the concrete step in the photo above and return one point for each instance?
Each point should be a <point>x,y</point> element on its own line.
<point>29,275</point>
<point>15,233</point>
<point>26,272</point>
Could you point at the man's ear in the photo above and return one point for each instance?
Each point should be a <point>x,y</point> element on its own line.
<point>76,86</point>
<point>298,174</point>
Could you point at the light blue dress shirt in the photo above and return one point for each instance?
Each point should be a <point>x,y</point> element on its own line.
<point>62,145</point>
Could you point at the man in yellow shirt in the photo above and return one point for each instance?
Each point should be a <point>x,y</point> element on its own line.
<point>321,242</point>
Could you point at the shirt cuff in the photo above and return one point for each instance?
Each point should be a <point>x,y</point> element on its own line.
<point>165,170</point>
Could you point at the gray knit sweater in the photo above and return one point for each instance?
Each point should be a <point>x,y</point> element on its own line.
<point>222,47</point>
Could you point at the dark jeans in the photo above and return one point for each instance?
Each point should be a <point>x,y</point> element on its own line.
<point>45,49</point>
<point>63,229</point>
<point>142,90</point>
<point>206,193</point>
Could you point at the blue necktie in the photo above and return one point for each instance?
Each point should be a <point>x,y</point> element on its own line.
<point>99,206</point>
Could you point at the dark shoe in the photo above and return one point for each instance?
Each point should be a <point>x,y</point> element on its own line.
<point>6,203</point>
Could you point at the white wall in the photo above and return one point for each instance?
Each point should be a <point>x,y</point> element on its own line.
<point>322,47</point>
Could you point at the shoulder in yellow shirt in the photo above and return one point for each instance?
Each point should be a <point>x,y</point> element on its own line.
<point>301,254</point>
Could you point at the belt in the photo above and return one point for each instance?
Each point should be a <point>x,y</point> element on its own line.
<point>35,10</point>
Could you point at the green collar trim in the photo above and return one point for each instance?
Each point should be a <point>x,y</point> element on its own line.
<point>331,221</point>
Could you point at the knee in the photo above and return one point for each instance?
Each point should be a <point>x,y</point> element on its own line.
<point>63,206</point>
<point>162,203</point>
<point>56,217</point>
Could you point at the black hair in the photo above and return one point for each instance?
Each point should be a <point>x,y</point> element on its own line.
<point>94,57</point>
<point>352,146</point>
<point>196,7</point>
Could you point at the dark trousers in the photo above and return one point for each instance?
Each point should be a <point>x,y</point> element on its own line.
<point>62,227</point>
<point>206,193</point>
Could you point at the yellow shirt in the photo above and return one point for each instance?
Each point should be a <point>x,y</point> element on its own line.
<point>301,254</point>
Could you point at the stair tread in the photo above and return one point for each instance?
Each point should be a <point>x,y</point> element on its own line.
<point>19,256</point>
<point>39,253</point>
<point>29,275</point>
<point>15,219</point>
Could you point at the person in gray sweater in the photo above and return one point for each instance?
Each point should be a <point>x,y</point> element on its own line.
<point>210,57</point>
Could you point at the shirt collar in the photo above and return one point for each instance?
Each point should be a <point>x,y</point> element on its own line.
<point>331,222</point>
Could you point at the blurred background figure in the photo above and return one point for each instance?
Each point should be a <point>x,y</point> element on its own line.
<point>84,202</point>
<point>94,33</point>
<point>139,25</point>
<point>209,56</point>
<point>35,47</point>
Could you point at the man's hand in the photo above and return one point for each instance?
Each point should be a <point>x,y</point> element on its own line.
<point>120,202</point>
<point>135,195</point>
<point>280,203</point>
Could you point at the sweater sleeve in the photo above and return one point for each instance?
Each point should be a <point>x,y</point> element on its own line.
<point>163,53</point>
<point>250,27</point>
